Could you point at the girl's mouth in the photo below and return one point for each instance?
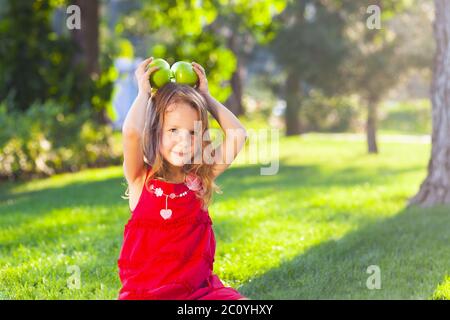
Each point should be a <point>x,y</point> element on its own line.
<point>180,154</point>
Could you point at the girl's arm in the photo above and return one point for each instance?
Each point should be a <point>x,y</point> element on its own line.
<point>133,126</point>
<point>234,132</point>
<point>235,135</point>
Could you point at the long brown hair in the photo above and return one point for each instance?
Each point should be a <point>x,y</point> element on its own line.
<point>156,109</point>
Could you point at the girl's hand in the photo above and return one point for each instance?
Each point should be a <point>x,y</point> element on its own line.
<point>202,81</point>
<point>143,76</point>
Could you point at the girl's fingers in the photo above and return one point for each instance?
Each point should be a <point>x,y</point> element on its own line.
<point>152,69</point>
<point>147,60</point>
<point>198,67</point>
<point>198,72</point>
<point>147,73</point>
<point>144,63</point>
<point>201,74</point>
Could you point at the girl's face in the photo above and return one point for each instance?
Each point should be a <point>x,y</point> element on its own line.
<point>177,145</point>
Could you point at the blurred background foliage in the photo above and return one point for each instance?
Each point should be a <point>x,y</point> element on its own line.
<point>300,66</point>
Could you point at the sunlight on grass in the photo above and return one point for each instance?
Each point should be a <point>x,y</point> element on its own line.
<point>310,231</point>
<point>443,290</point>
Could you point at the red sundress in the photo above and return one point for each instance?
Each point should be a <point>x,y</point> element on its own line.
<point>172,258</point>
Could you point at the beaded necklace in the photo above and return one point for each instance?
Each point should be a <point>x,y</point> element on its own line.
<point>191,181</point>
<point>166,213</point>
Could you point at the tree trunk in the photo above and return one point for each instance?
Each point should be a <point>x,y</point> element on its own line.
<point>236,95</point>
<point>87,37</point>
<point>371,127</point>
<point>292,104</point>
<point>235,99</point>
<point>435,189</point>
<point>87,40</point>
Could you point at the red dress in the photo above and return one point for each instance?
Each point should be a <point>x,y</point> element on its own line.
<point>172,258</point>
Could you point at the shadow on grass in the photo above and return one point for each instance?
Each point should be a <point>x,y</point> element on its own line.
<point>410,248</point>
<point>236,182</point>
<point>27,209</point>
<point>78,193</point>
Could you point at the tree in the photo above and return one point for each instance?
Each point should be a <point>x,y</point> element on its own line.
<point>242,24</point>
<point>87,54</point>
<point>40,61</point>
<point>173,30</point>
<point>378,59</point>
<point>435,189</point>
<point>310,48</point>
<point>218,34</point>
<point>35,63</point>
<point>87,38</point>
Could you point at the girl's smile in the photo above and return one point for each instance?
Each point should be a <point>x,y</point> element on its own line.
<point>180,154</point>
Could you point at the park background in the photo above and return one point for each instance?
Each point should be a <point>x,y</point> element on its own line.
<point>349,93</point>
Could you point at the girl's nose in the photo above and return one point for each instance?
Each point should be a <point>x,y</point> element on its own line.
<point>184,138</point>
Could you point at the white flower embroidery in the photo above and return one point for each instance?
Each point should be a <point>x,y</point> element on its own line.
<point>158,192</point>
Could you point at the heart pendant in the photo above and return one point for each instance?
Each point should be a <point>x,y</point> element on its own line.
<point>165,213</point>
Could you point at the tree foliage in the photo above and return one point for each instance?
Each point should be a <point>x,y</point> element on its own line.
<point>199,31</point>
<point>37,60</point>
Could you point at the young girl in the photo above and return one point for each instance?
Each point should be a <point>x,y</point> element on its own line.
<point>169,244</point>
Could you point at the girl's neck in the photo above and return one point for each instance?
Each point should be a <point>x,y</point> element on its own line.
<point>175,175</point>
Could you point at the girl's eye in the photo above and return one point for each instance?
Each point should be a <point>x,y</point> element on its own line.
<point>172,130</point>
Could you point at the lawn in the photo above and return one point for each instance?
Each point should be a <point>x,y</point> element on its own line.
<point>308,232</point>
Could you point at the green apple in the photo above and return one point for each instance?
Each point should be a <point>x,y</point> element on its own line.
<point>184,73</point>
<point>161,76</point>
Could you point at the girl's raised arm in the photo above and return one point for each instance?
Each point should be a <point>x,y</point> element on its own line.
<point>133,126</point>
<point>234,132</point>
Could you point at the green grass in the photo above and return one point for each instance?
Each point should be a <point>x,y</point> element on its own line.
<point>309,232</point>
<point>411,117</point>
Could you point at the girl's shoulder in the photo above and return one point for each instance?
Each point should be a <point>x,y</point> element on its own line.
<point>137,188</point>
